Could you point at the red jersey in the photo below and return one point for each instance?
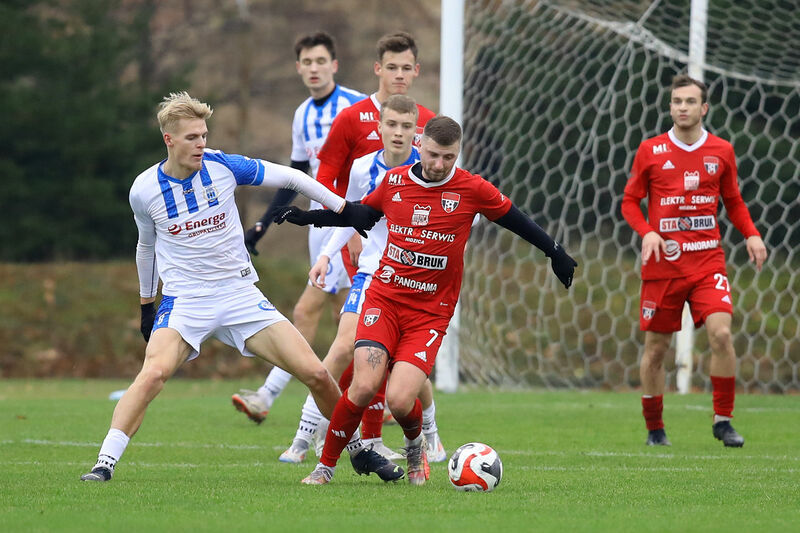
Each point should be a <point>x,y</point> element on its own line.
<point>429,224</point>
<point>355,133</point>
<point>683,184</point>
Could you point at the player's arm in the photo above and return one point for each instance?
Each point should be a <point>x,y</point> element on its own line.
<point>282,198</point>
<point>334,152</point>
<point>563,265</point>
<point>739,215</point>
<point>636,190</point>
<point>146,269</point>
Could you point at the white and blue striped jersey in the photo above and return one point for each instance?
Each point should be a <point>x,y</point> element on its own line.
<point>366,174</point>
<point>190,234</point>
<point>312,123</point>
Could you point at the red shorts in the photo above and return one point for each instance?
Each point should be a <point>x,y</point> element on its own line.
<point>661,303</point>
<point>408,334</point>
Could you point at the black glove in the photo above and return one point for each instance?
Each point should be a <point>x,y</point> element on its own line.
<point>361,217</point>
<point>252,236</point>
<point>293,214</point>
<point>563,265</point>
<point>148,319</point>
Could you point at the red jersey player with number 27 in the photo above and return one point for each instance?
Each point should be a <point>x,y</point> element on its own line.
<point>429,208</point>
<point>682,173</point>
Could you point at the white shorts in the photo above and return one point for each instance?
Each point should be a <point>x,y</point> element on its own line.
<point>232,318</point>
<point>336,279</point>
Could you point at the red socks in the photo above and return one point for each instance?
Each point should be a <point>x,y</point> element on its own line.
<point>724,391</point>
<point>412,422</point>
<point>344,422</point>
<point>652,408</point>
<point>372,421</point>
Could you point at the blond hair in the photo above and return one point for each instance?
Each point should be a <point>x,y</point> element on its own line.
<point>180,105</point>
<point>402,104</point>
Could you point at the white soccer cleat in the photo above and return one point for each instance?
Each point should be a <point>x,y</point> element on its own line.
<point>321,475</point>
<point>419,471</point>
<point>436,452</point>
<point>384,450</point>
<point>251,404</point>
<point>296,453</point>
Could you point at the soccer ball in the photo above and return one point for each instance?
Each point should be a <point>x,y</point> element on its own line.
<point>475,467</point>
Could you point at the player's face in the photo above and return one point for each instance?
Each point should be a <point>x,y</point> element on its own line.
<point>397,130</point>
<point>396,72</point>
<point>317,68</point>
<point>185,145</point>
<point>437,160</point>
<point>686,107</point>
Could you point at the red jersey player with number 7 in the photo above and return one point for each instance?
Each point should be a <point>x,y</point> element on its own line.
<point>683,173</point>
<point>429,208</point>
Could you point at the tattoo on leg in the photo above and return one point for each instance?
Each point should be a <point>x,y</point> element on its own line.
<point>375,357</point>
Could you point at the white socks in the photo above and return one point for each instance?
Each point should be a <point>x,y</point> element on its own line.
<point>112,449</point>
<point>310,420</point>
<point>273,386</point>
<point>429,420</point>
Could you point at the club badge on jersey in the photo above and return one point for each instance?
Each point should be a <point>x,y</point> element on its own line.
<point>420,216</point>
<point>711,163</point>
<point>450,201</point>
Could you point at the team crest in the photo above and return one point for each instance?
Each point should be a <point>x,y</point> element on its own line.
<point>421,215</point>
<point>371,316</point>
<point>691,180</point>
<point>648,309</point>
<point>711,163</point>
<point>450,201</point>
<point>211,193</point>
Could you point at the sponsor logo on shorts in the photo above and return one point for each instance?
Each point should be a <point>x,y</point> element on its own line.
<point>416,259</point>
<point>673,250</point>
<point>648,309</point>
<point>450,201</point>
<point>245,272</point>
<point>265,305</point>
<point>371,316</point>
<point>686,223</point>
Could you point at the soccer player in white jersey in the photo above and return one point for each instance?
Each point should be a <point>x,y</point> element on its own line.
<point>316,64</point>
<point>190,237</point>
<point>397,128</point>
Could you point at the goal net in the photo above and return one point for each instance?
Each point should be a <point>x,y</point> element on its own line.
<point>557,97</point>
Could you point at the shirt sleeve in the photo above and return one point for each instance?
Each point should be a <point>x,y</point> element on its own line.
<point>284,177</point>
<point>375,198</point>
<point>245,170</point>
<point>337,240</point>
<point>146,266</point>
<point>492,203</point>
<point>333,154</point>
<point>738,213</point>
<point>635,190</point>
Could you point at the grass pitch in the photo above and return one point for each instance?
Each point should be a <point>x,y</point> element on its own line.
<point>574,461</point>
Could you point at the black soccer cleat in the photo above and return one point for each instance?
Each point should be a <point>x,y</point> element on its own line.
<point>657,437</point>
<point>99,473</point>
<point>724,431</point>
<point>368,461</point>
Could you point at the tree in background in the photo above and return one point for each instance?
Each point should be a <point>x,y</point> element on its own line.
<point>79,95</point>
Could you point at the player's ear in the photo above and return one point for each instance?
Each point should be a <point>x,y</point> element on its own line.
<point>168,139</point>
<point>416,70</point>
<point>297,66</point>
<point>377,68</point>
<point>335,66</point>
<point>704,108</point>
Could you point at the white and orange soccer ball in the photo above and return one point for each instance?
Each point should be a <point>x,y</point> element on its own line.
<point>475,467</point>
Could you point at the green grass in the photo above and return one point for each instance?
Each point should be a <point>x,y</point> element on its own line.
<point>574,461</point>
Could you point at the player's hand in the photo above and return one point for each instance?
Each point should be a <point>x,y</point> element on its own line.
<point>148,319</point>
<point>355,246</point>
<point>252,236</point>
<point>757,251</point>
<point>652,245</point>
<point>317,273</point>
<point>563,265</point>
<point>361,217</point>
<point>290,213</point>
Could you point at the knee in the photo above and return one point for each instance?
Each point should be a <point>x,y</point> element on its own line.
<point>400,405</point>
<point>152,378</point>
<point>317,379</point>
<point>360,392</point>
<point>654,353</point>
<point>720,338</point>
<point>302,312</point>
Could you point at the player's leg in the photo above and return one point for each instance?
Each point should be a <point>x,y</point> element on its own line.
<point>406,381</point>
<point>652,374</point>
<point>723,377</point>
<point>436,451</point>
<point>164,354</point>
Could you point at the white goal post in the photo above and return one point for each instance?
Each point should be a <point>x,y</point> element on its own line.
<point>557,95</point>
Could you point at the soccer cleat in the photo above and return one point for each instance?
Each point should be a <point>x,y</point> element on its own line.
<point>296,453</point>
<point>320,476</point>
<point>436,453</point>
<point>368,461</point>
<point>98,473</point>
<point>419,471</point>
<point>657,437</point>
<point>724,431</point>
<point>381,448</point>
<point>251,404</point>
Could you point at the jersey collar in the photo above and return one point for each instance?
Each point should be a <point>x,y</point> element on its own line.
<point>688,147</point>
<point>416,178</point>
<point>375,102</point>
<point>164,175</point>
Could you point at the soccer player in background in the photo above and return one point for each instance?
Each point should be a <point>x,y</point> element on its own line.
<point>316,64</point>
<point>682,173</point>
<point>190,237</point>
<point>397,127</point>
<point>429,209</point>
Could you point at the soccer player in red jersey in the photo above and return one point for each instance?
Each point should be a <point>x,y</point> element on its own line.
<point>429,208</point>
<point>682,173</point>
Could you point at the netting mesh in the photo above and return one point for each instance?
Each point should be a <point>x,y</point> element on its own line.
<point>558,96</point>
